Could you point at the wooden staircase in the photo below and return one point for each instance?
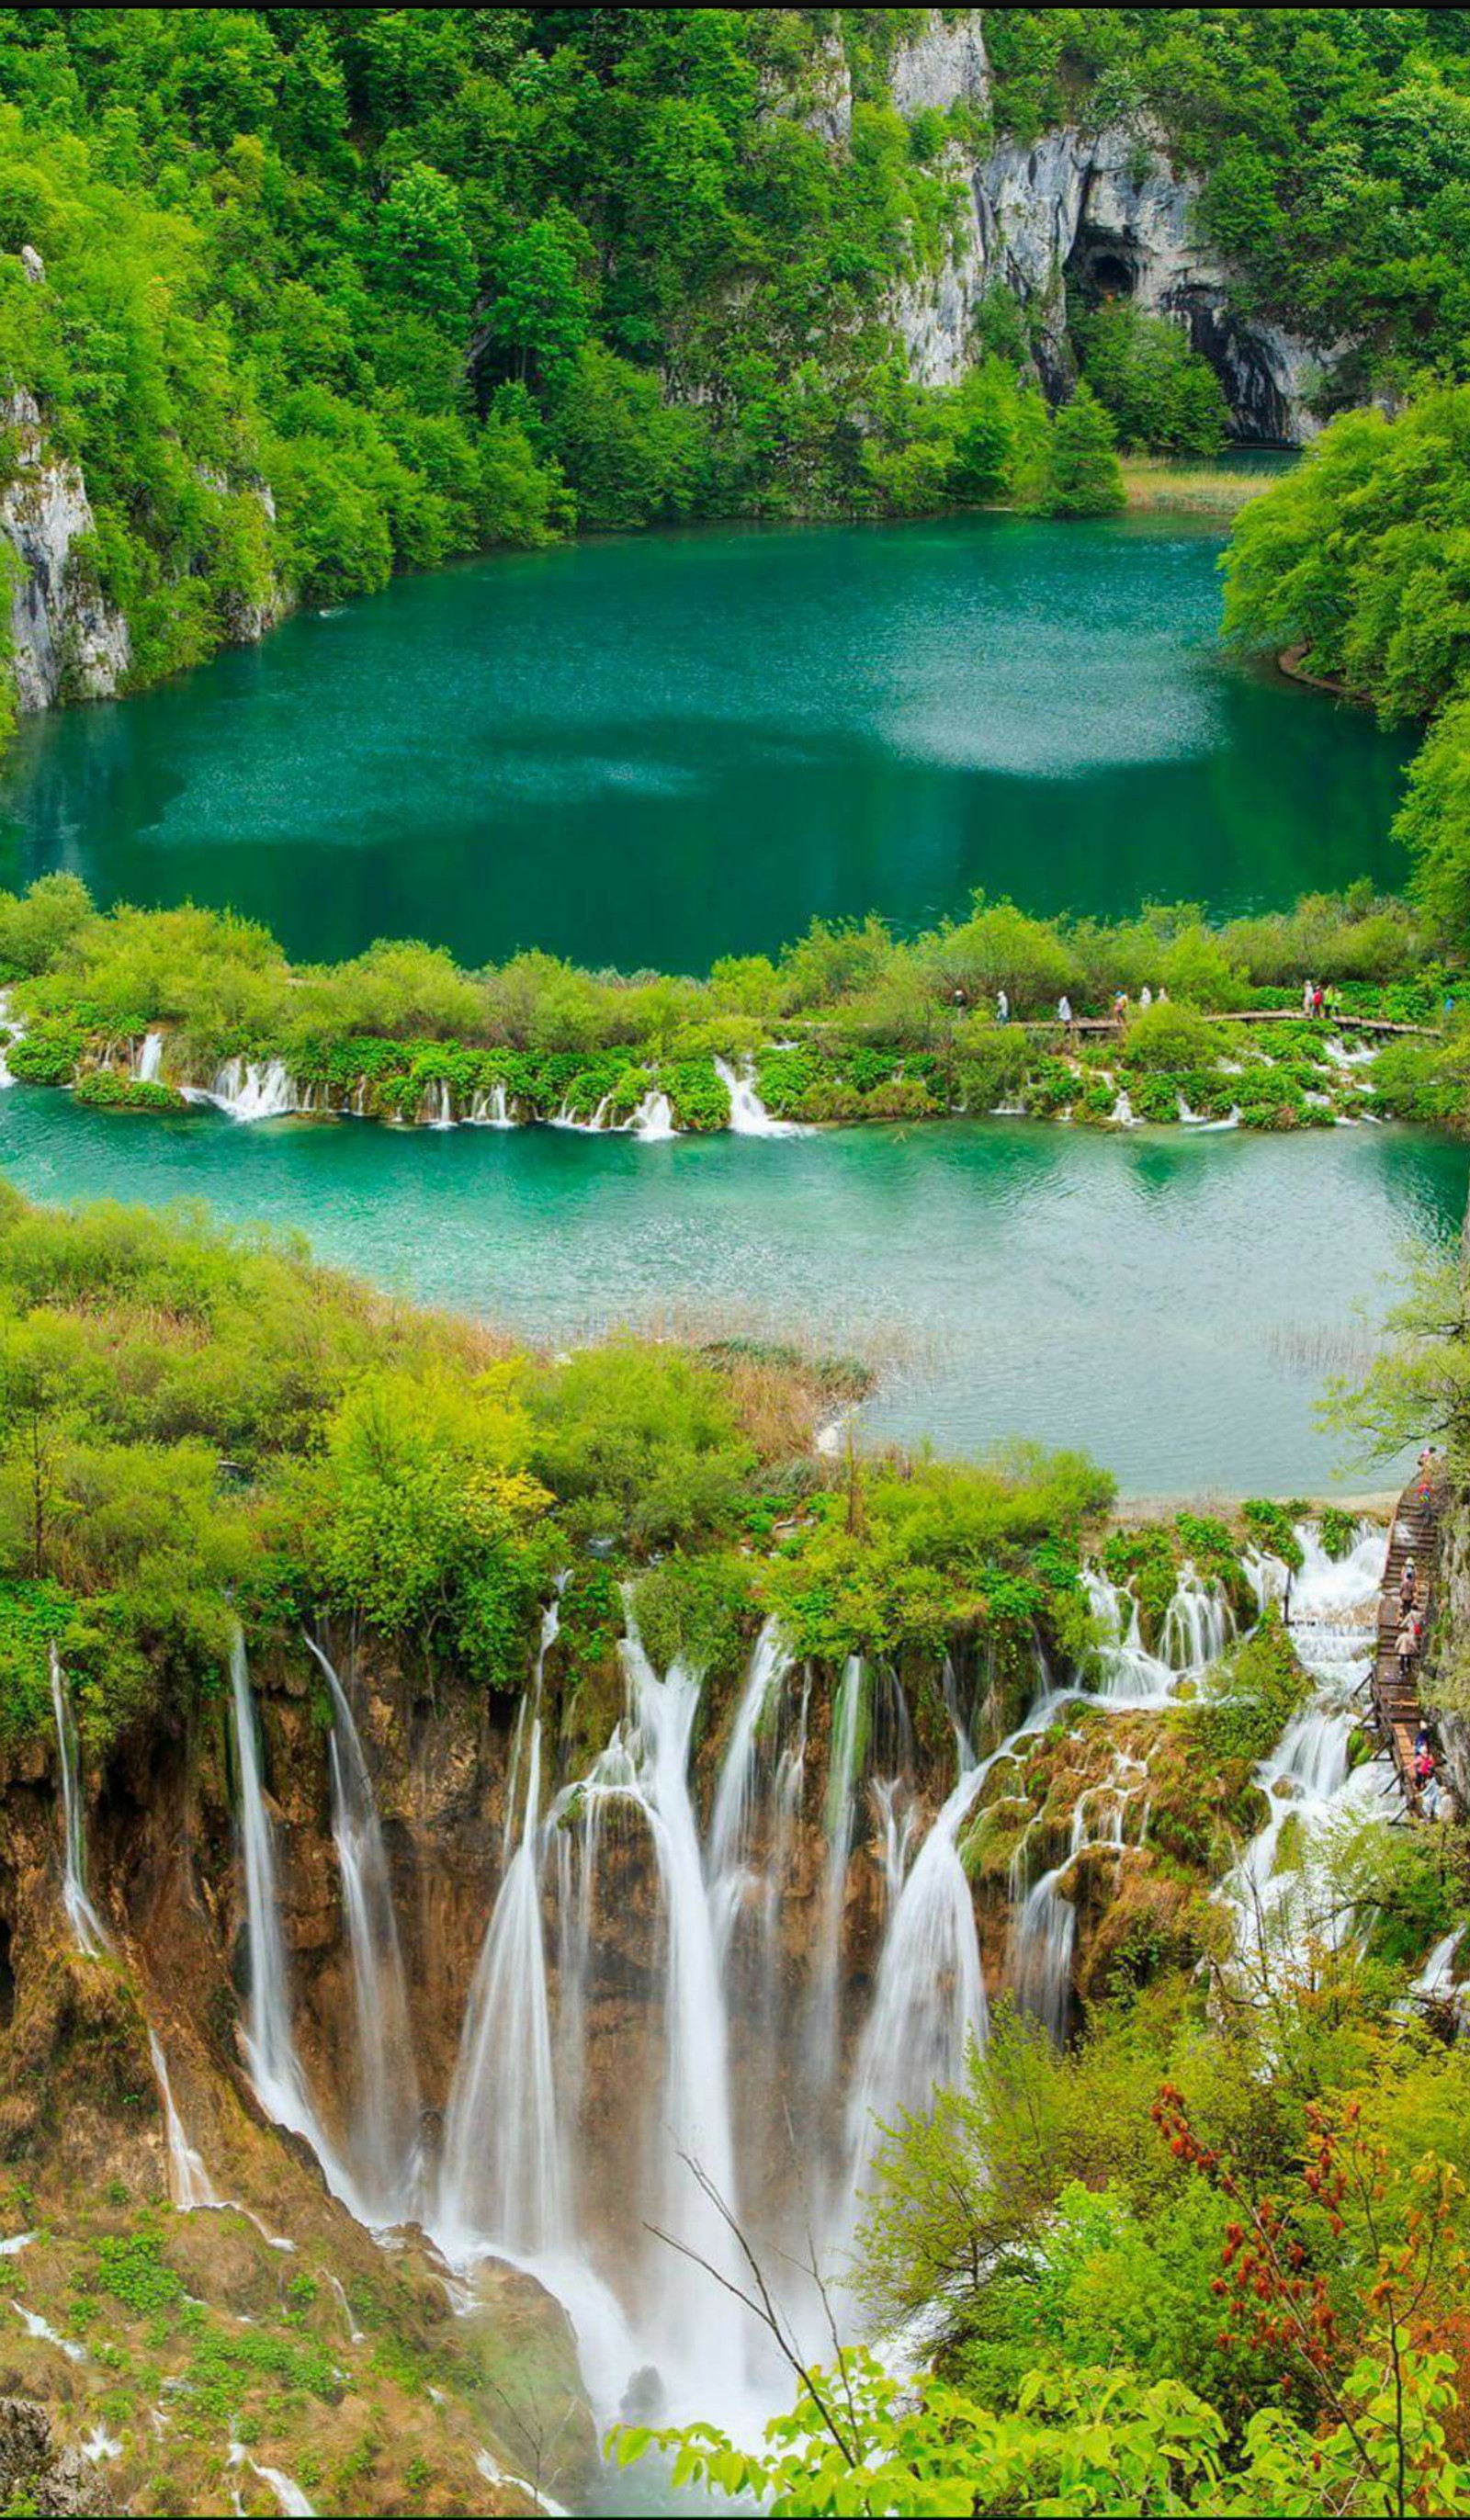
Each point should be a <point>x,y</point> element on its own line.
<point>1415,1533</point>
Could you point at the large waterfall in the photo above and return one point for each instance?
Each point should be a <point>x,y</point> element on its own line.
<point>678,2024</point>
<point>384,2120</point>
<point>274,2066</point>
<point>90,1934</point>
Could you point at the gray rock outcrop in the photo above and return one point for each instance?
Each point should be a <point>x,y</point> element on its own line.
<point>35,2476</point>
<point>941,67</point>
<point>1100,214</point>
<point>68,641</point>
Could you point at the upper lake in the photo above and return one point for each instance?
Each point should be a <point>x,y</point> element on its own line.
<point>649,752</point>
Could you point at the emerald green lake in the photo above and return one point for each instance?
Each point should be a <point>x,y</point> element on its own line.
<point>653,751</point>
<point>1169,1301</point>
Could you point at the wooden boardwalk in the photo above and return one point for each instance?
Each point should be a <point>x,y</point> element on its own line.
<point>1413,1533</point>
<point>1252,1015</point>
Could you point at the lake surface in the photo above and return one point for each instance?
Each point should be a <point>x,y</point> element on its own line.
<point>1169,1302</point>
<point>655,751</point>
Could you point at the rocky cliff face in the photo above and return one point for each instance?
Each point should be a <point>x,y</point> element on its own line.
<point>1095,211</point>
<point>1100,212</point>
<point>67,642</point>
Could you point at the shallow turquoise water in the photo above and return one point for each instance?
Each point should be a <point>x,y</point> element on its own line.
<point>1169,1301</point>
<point>657,750</point>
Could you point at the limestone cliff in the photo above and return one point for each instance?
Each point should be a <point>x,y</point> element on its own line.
<point>68,641</point>
<point>1100,212</point>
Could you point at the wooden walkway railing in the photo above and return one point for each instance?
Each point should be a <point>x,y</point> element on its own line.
<point>1413,1533</point>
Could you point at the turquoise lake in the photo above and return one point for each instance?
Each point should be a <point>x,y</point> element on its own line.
<point>649,752</point>
<point>1171,1302</point>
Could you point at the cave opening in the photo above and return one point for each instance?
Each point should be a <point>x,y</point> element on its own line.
<point>1109,275</point>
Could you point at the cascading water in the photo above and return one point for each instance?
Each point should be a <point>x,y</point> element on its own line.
<point>270,2047</point>
<point>654,1121</point>
<point>504,2178</point>
<point>1280,1905</point>
<point>748,1115</point>
<point>728,1846</point>
<point>191,2190</point>
<point>929,2001</point>
<point>383,2141</point>
<point>1126,1674</point>
<point>1043,1939</point>
<point>248,1091</point>
<point>88,1930</point>
<point>1198,1626</point>
<point>844,1758</point>
<point>150,1058</point>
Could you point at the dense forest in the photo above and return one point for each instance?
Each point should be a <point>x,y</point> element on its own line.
<point>322,294</point>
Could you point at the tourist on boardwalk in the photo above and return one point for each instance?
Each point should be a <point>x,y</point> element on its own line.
<point>1306,997</point>
<point>1408,1585</point>
<point>1003,1007</point>
<point>1145,994</point>
<point>1406,1646</point>
<point>1426,1776</point>
<point>1120,1005</point>
<point>1064,1009</point>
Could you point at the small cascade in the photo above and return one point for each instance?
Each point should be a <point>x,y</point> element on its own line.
<point>287,2491</point>
<point>1332,1606</point>
<point>503,2178</point>
<point>748,1115</point>
<point>1042,1937</point>
<point>91,1936</point>
<point>385,2125</point>
<point>436,1110</point>
<point>735,1794</point>
<point>148,1058</point>
<point>190,2188</point>
<point>490,1110</point>
<point>1126,1673</point>
<point>1124,1115</point>
<point>929,2001</point>
<point>654,1121</point>
<point>893,1809</point>
<point>248,1091</point>
<point>270,2048</point>
<point>10,1031</point>
<point>963,1746</point>
<point>844,1760</point>
<point>1198,1625</point>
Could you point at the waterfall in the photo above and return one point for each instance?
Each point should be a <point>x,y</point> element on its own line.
<point>748,1115</point>
<point>697,2097</point>
<point>248,1091</point>
<point>1128,1674</point>
<point>654,1121</point>
<point>490,1110</point>
<point>844,1758</point>
<point>735,1794</point>
<point>436,1110</point>
<point>150,1058</point>
<point>271,2059</point>
<point>1198,1625</point>
<point>1042,1936</point>
<point>91,1936</point>
<point>190,2188</point>
<point>385,2122</point>
<point>504,2176</point>
<point>10,1031</point>
<point>1280,1909</point>
<point>929,2001</point>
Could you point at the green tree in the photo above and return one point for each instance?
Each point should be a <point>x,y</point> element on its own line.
<point>424,251</point>
<point>1083,478</point>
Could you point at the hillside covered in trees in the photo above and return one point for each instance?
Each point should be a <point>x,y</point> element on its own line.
<point>309,295</point>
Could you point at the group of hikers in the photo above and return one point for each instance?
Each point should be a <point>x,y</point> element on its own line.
<point>1321,1003</point>
<point>1122,1002</point>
